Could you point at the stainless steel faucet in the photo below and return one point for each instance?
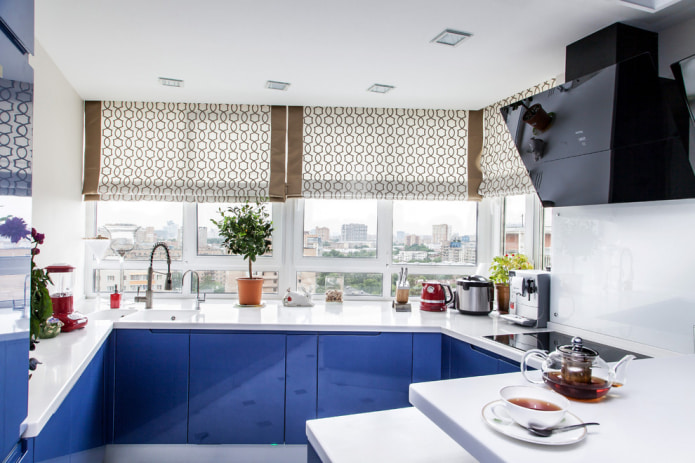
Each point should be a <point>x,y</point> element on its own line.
<point>150,277</point>
<point>198,300</point>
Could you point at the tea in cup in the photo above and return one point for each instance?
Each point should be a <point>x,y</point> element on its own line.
<point>532,407</point>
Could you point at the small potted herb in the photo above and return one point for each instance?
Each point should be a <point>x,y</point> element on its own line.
<point>246,230</point>
<point>499,274</point>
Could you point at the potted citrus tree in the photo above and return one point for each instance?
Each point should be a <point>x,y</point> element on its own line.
<point>499,274</point>
<point>246,231</point>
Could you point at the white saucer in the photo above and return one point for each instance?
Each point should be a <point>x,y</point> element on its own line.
<point>509,428</point>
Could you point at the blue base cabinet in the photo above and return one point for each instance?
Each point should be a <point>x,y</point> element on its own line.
<point>366,372</point>
<point>300,385</point>
<point>151,387</point>
<point>237,388</point>
<point>79,423</point>
<point>14,390</point>
<point>463,360</point>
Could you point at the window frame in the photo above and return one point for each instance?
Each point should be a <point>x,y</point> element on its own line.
<point>288,259</point>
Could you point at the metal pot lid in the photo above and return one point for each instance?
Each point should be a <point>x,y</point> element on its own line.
<point>474,281</point>
<point>577,351</point>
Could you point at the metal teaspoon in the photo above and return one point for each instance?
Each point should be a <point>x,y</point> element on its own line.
<point>549,432</point>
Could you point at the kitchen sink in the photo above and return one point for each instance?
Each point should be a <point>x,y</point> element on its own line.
<point>110,314</point>
<point>162,316</point>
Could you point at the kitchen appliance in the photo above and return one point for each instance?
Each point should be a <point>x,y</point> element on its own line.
<point>61,296</point>
<point>433,297</point>
<point>529,298</point>
<point>619,131</point>
<point>577,371</point>
<point>474,295</point>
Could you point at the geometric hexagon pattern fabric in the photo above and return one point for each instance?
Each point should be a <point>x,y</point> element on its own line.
<point>184,151</point>
<point>384,153</point>
<point>503,170</point>
<point>16,104</point>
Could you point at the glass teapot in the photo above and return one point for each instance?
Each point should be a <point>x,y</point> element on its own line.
<point>577,371</point>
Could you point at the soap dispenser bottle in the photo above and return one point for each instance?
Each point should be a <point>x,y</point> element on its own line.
<point>115,299</point>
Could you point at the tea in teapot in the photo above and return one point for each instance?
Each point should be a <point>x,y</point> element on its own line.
<point>577,371</point>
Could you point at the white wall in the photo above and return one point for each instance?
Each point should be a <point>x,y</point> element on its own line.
<point>627,270</point>
<point>57,209</point>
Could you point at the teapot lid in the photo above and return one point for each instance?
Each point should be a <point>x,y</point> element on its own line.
<point>577,351</point>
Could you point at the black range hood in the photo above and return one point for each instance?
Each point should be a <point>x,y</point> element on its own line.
<point>613,133</point>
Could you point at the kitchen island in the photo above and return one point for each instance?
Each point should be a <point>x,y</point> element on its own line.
<point>223,324</point>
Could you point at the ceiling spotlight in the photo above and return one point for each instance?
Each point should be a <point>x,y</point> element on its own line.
<point>380,88</point>
<point>451,37</point>
<point>169,82</point>
<point>271,84</point>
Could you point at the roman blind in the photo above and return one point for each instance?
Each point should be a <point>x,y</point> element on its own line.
<point>377,153</point>
<point>503,172</point>
<point>183,152</point>
<point>15,137</point>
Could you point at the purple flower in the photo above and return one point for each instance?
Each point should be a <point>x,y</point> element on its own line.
<point>14,228</point>
<point>35,251</point>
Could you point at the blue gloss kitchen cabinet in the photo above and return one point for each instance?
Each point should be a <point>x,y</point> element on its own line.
<point>150,391</point>
<point>363,372</point>
<point>463,360</point>
<point>300,385</point>
<point>16,114</point>
<point>237,388</point>
<point>76,431</point>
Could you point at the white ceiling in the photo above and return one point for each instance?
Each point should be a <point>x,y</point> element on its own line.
<point>330,51</point>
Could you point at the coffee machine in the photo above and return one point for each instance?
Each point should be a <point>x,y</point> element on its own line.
<point>529,298</point>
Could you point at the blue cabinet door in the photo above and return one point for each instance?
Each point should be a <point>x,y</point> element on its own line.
<point>300,385</point>
<point>151,387</point>
<point>467,361</point>
<point>360,373</point>
<point>237,388</point>
<point>507,366</point>
<point>78,424</point>
<point>427,357</point>
<point>14,377</point>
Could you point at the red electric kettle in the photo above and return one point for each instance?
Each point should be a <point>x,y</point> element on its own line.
<point>434,297</point>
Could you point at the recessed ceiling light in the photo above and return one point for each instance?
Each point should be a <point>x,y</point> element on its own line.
<point>380,88</point>
<point>451,37</point>
<point>651,6</point>
<point>169,82</point>
<point>277,85</point>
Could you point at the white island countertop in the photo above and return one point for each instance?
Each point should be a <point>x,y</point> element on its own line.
<point>650,419</point>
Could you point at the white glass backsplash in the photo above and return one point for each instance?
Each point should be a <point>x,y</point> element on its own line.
<point>627,271</point>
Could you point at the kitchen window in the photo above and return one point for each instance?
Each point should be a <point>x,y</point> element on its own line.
<point>358,246</point>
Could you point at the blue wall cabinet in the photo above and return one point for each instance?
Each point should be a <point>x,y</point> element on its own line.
<point>78,424</point>
<point>360,373</point>
<point>237,388</point>
<point>14,373</point>
<point>151,387</point>
<point>300,385</point>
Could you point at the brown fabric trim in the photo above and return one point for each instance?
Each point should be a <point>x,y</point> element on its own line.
<point>278,130</point>
<point>92,150</point>
<point>475,153</point>
<point>295,148</point>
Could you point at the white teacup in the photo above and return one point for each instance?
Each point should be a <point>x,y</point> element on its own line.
<point>532,406</point>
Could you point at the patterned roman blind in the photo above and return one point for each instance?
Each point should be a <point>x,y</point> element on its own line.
<point>183,151</point>
<point>377,153</point>
<point>15,137</point>
<point>503,171</point>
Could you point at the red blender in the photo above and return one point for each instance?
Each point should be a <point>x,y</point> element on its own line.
<point>61,297</point>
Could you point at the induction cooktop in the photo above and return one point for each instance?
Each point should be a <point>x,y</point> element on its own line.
<point>551,340</point>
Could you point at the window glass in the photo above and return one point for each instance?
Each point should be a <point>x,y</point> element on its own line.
<point>105,280</point>
<point>439,232</point>
<point>416,280</point>
<point>224,281</point>
<point>514,224</point>
<point>209,242</point>
<point>547,235</point>
<point>134,228</point>
<point>352,284</point>
<point>340,228</point>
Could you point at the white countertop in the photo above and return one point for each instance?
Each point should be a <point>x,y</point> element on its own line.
<point>403,435</point>
<point>66,356</point>
<point>649,419</point>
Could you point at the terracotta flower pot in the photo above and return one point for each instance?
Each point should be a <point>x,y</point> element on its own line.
<point>502,298</point>
<point>250,290</point>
